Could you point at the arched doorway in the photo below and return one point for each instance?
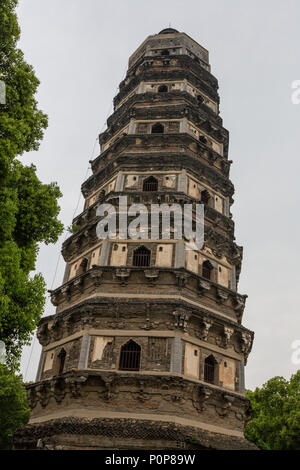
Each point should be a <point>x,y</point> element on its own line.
<point>157,128</point>
<point>141,256</point>
<point>130,356</point>
<point>207,268</point>
<point>162,89</point>
<point>210,369</point>
<point>150,184</point>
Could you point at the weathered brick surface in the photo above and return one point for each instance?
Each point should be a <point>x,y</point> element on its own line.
<point>80,433</point>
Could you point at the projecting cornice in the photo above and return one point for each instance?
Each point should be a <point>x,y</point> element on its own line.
<point>163,112</point>
<point>176,318</point>
<point>161,282</point>
<point>176,67</point>
<point>167,196</point>
<point>171,96</point>
<point>164,152</point>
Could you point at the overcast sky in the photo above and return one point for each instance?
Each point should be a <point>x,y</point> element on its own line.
<point>80,49</point>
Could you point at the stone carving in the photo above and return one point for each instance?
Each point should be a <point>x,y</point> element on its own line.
<point>203,286</point>
<point>212,157</point>
<point>57,389</point>
<point>228,332</point>
<point>181,319</point>
<point>43,334</point>
<point>74,384</point>
<point>43,394</point>
<point>246,339</point>
<point>222,295</point>
<point>86,320</point>
<point>207,324</point>
<point>96,275</point>
<point>108,380</point>
<point>116,321</point>
<point>201,395</point>
<point>151,275</point>
<point>239,303</point>
<point>150,325</point>
<point>181,279</point>
<point>226,407</point>
<point>54,297</point>
<point>142,396</point>
<point>78,284</point>
<point>69,323</point>
<point>122,274</point>
<point>66,292</point>
<point>32,397</point>
<point>57,329</point>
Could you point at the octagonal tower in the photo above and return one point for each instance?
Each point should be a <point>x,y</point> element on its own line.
<point>147,348</point>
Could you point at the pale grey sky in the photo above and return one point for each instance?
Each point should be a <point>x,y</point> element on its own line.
<point>80,49</point>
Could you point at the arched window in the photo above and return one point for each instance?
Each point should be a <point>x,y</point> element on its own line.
<point>165,52</point>
<point>157,129</point>
<point>204,196</point>
<point>210,369</point>
<point>203,139</point>
<point>61,361</point>
<point>130,356</point>
<point>207,268</point>
<point>82,268</point>
<point>141,256</point>
<point>200,99</point>
<point>150,184</point>
<point>162,89</point>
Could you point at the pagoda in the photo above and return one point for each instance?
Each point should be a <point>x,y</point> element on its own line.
<point>147,349</point>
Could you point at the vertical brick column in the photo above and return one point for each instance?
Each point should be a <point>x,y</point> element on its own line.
<point>176,355</point>
<point>84,352</point>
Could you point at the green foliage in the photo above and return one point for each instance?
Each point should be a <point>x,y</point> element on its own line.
<point>275,422</point>
<point>28,208</point>
<point>194,441</point>
<point>14,409</point>
<point>74,228</point>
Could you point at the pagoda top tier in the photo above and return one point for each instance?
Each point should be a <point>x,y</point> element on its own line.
<point>170,42</point>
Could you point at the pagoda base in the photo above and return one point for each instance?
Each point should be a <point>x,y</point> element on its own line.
<point>73,433</point>
<point>87,409</point>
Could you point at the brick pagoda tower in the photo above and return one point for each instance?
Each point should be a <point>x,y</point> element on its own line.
<point>146,349</point>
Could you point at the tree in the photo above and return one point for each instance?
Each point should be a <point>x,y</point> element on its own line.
<point>28,208</point>
<point>275,423</point>
<point>14,409</point>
